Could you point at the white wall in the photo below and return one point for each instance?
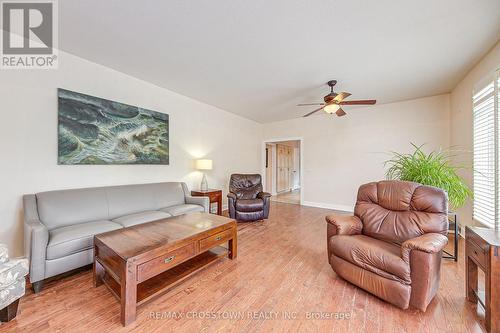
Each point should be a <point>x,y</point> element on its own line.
<point>28,130</point>
<point>341,153</point>
<point>461,119</point>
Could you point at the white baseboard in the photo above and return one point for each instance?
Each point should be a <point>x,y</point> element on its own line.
<point>345,208</point>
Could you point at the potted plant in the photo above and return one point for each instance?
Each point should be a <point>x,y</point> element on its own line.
<point>434,169</point>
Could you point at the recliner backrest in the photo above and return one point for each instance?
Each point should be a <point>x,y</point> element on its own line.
<point>245,186</point>
<point>395,211</point>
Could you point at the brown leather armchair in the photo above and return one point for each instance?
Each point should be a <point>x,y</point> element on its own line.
<point>246,200</point>
<point>392,246</point>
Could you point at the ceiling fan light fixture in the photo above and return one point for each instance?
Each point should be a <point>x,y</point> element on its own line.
<point>334,102</point>
<point>331,108</point>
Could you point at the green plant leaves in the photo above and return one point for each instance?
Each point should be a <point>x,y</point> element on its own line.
<point>434,169</point>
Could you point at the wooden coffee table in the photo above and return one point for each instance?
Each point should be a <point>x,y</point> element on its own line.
<point>140,262</point>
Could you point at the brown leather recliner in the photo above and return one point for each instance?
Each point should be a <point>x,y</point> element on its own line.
<point>392,246</point>
<point>246,200</point>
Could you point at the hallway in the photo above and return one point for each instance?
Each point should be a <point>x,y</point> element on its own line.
<point>291,197</point>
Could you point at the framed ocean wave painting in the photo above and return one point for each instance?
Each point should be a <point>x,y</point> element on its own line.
<point>93,130</point>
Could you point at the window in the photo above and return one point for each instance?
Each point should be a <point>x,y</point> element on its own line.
<point>486,146</point>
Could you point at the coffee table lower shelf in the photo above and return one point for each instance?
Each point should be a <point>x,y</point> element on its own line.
<point>162,283</point>
<point>146,260</point>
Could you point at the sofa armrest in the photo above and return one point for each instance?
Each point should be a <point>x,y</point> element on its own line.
<point>231,195</point>
<point>343,225</point>
<point>36,238</point>
<point>263,195</point>
<point>429,243</point>
<point>202,201</point>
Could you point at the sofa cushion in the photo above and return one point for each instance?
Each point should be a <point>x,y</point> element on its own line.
<point>249,205</point>
<point>68,207</point>
<point>142,217</point>
<point>131,199</point>
<point>75,238</point>
<point>374,255</point>
<point>182,209</point>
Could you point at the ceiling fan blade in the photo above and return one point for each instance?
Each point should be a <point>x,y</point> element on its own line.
<point>310,113</point>
<point>360,102</point>
<point>340,112</point>
<point>340,96</point>
<point>309,104</point>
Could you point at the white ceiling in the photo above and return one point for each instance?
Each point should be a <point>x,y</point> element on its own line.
<point>258,58</point>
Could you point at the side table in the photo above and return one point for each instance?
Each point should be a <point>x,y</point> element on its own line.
<point>482,250</point>
<point>214,195</point>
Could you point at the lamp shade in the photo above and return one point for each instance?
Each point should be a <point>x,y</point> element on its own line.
<point>203,164</point>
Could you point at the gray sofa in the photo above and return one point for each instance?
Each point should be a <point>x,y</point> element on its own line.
<point>59,226</point>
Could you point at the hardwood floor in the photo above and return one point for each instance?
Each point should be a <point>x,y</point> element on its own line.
<point>292,197</point>
<point>281,269</point>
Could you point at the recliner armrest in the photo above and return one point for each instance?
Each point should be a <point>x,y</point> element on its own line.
<point>231,203</point>
<point>263,195</point>
<point>429,243</point>
<point>266,197</point>
<point>344,224</point>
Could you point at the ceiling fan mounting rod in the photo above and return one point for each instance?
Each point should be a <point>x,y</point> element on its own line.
<point>331,83</point>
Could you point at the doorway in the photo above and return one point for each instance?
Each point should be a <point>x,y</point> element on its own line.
<point>283,170</point>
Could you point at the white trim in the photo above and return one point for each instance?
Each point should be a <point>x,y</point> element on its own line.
<point>263,161</point>
<point>481,207</point>
<point>345,208</point>
<point>496,78</point>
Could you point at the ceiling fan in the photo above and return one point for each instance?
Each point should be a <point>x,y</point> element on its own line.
<point>334,101</point>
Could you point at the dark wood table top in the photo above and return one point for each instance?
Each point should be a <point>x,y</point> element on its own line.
<point>210,190</point>
<point>489,235</point>
<point>139,239</point>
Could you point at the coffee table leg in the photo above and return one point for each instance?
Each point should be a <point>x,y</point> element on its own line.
<point>128,297</point>
<point>233,247</point>
<point>98,273</point>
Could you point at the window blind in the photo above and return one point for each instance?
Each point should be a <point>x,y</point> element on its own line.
<point>486,153</point>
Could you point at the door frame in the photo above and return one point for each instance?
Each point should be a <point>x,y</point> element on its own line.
<point>301,150</point>
<point>269,166</point>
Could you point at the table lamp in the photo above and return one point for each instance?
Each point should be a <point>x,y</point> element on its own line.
<point>204,164</point>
